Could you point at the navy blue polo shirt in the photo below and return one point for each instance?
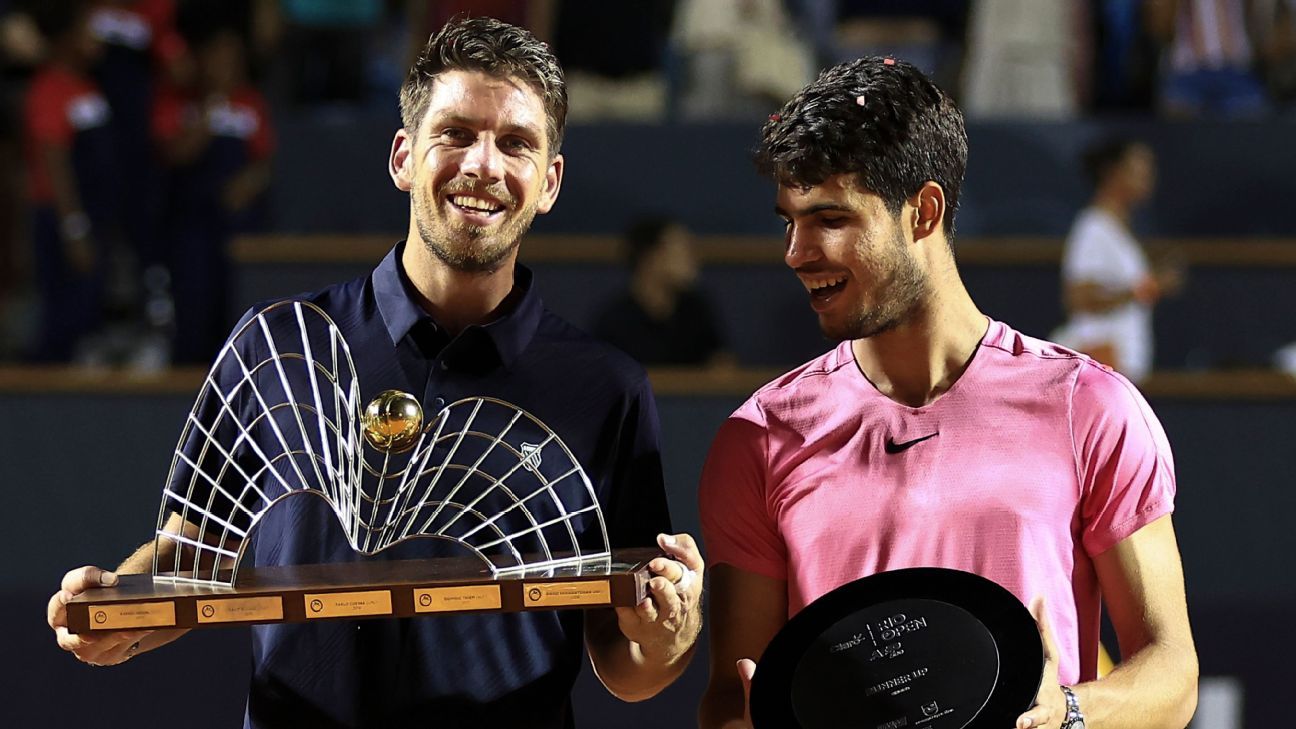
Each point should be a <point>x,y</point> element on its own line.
<point>493,670</point>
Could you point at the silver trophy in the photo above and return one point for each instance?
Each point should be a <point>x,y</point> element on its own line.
<point>281,417</point>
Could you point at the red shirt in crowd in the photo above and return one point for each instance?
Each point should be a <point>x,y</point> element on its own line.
<point>60,104</point>
<point>244,115</point>
<point>143,25</point>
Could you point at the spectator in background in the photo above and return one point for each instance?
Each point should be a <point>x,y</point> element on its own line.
<point>616,75</point>
<point>1125,56</point>
<point>216,139</point>
<point>737,58</point>
<point>610,75</point>
<point>323,49</point>
<point>1209,58</point>
<point>927,33</point>
<point>426,16</point>
<point>662,319</point>
<point>72,180</point>
<point>1109,288</point>
<point>1026,58</point>
<point>1285,359</point>
<point>142,48</point>
<point>21,49</point>
<point>1277,23</point>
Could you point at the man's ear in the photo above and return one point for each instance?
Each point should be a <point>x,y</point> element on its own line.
<point>401,161</point>
<point>553,183</point>
<point>928,210</point>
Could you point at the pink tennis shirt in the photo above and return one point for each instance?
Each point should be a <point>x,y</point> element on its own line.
<point>1034,462</point>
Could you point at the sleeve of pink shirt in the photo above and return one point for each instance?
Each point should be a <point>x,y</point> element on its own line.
<point>1124,461</point>
<point>738,528</point>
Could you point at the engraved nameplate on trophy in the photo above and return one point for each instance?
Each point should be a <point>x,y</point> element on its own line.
<point>403,588</point>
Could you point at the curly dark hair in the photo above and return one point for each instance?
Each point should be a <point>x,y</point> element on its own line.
<point>492,47</point>
<point>905,133</point>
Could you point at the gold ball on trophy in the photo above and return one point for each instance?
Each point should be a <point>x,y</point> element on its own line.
<point>392,421</point>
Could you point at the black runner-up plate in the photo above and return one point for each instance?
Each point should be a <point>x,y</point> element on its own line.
<point>925,647</point>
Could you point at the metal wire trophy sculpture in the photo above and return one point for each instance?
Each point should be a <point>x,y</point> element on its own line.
<point>281,416</point>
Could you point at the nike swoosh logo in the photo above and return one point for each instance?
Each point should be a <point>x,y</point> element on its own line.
<point>893,447</point>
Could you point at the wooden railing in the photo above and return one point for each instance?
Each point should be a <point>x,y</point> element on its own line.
<point>754,250</point>
<point>1231,385</point>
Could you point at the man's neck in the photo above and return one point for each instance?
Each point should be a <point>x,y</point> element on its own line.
<point>920,360</point>
<point>456,299</point>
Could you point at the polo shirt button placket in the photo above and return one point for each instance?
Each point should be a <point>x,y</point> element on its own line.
<point>432,402</point>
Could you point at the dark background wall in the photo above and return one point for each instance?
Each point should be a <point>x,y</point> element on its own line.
<point>1225,181</point>
<point>1226,317</point>
<point>1215,179</point>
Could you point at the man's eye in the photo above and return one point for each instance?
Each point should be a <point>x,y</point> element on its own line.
<point>456,135</point>
<point>832,222</point>
<point>515,144</point>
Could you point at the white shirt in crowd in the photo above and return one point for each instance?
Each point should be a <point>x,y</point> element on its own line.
<point>1100,250</point>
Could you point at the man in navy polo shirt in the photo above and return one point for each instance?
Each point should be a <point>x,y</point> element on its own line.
<point>448,314</point>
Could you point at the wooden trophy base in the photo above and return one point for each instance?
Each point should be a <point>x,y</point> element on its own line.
<point>373,589</point>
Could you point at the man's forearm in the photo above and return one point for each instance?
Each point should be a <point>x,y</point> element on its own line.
<point>1155,689</point>
<point>139,562</point>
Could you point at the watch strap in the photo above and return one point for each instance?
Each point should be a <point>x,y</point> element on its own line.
<point>1074,718</point>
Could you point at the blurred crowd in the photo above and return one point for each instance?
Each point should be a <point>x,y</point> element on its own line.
<point>137,145</point>
<point>136,136</point>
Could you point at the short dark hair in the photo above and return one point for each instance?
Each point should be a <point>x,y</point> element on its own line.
<point>492,47</point>
<point>644,236</point>
<point>879,119</point>
<point>1104,155</point>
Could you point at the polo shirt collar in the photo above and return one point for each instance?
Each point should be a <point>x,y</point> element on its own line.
<point>509,334</point>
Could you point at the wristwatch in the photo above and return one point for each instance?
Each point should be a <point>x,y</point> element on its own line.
<point>1074,719</point>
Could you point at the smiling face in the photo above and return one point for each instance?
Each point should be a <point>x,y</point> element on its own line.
<point>478,169</point>
<point>852,256</point>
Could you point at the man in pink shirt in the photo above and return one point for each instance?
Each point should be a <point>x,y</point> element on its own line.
<point>932,436</point>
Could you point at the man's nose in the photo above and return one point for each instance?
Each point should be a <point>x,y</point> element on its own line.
<point>483,160</point>
<point>799,249</point>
